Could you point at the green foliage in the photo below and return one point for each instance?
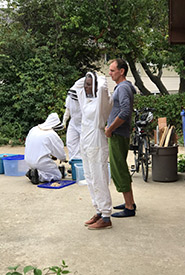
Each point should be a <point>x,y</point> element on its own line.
<point>63,137</point>
<point>169,106</point>
<point>62,269</point>
<point>46,45</point>
<point>31,88</point>
<point>180,137</point>
<point>43,50</point>
<point>181,163</point>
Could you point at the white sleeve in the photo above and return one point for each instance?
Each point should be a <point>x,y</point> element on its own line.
<point>66,116</point>
<point>57,147</point>
<point>78,87</point>
<point>104,100</point>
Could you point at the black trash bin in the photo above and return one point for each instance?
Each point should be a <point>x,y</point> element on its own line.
<point>164,163</point>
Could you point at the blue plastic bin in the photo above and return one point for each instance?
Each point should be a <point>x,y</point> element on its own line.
<point>183,123</point>
<point>72,163</point>
<point>79,173</point>
<point>80,178</point>
<point>1,161</point>
<point>15,166</point>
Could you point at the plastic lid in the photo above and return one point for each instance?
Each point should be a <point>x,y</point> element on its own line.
<point>16,157</point>
<point>75,160</point>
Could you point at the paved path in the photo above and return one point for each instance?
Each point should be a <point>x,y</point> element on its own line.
<point>42,226</point>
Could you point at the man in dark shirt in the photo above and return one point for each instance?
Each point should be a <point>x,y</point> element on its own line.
<point>118,132</point>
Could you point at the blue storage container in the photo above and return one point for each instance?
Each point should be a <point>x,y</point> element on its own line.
<point>1,161</point>
<point>80,179</point>
<point>72,163</point>
<point>15,166</point>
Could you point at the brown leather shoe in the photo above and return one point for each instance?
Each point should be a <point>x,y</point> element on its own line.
<point>100,224</point>
<point>94,219</point>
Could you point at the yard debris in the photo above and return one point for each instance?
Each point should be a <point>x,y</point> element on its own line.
<point>165,135</point>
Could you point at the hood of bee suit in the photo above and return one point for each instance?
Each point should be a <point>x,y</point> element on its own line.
<point>78,85</point>
<point>51,122</point>
<point>93,83</point>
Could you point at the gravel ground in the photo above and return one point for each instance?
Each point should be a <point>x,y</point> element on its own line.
<point>42,227</point>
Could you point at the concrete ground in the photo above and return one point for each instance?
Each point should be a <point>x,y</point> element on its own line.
<point>42,227</point>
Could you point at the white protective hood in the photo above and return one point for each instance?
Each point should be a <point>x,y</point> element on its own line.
<point>78,85</point>
<point>51,121</point>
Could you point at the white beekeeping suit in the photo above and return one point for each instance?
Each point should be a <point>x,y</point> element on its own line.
<point>74,127</point>
<point>94,145</point>
<point>42,142</point>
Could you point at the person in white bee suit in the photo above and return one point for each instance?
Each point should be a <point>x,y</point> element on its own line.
<point>41,145</point>
<point>96,104</point>
<point>73,113</point>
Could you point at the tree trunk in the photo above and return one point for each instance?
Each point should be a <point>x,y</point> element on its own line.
<point>155,79</point>
<point>138,80</point>
<point>182,85</point>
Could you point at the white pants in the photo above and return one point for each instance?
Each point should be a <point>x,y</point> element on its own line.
<point>47,170</point>
<point>73,143</point>
<point>95,164</point>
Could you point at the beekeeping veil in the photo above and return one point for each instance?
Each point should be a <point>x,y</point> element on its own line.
<point>52,122</point>
<point>93,82</point>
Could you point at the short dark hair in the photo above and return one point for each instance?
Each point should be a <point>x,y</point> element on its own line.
<point>121,64</point>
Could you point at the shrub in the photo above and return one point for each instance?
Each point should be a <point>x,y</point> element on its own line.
<point>181,163</point>
<point>169,106</point>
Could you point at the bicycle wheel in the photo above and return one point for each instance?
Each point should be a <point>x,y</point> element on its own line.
<point>145,149</point>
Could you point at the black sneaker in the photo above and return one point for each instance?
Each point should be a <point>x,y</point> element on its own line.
<point>34,176</point>
<point>28,174</point>
<point>122,206</point>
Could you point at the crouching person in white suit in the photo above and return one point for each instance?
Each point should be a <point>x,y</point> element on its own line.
<point>95,103</point>
<point>42,144</point>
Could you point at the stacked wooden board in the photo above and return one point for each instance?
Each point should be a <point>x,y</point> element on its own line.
<point>166,133</point>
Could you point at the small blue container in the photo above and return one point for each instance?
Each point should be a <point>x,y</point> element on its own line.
<point>1,161</point>
<point>72,162</point>
<point>79,173</point>
<point>15,166</point>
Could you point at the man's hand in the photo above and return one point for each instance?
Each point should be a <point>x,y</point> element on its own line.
<point>108,132</point>
<point>116,123</point>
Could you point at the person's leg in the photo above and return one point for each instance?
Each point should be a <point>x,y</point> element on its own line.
<point>129,200</point>
<point>98,164</point>
<point>48,170</point>
<point>45,170</point>
<point>88,178</point>
<point>120,174</point>
<point>118,150</point>
<point>73,143</point>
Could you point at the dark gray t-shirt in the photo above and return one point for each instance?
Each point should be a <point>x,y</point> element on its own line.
<point>123,98</point>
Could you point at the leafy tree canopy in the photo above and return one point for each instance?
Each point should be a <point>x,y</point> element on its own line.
<point>45,45</point>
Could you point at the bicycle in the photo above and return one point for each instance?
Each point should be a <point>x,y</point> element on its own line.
<point>141,142</point>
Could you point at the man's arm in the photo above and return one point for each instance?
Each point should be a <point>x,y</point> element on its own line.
<point>115,124</point>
